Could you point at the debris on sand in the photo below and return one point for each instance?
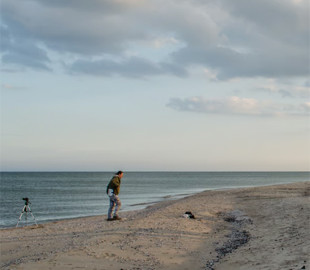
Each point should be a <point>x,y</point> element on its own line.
<point>236,238</point>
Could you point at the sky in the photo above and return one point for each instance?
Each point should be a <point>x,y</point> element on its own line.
<point>155,85</point>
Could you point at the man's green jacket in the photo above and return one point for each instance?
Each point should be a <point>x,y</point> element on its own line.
<point>114,184</point>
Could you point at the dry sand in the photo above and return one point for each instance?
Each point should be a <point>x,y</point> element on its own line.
<point>252,228</point>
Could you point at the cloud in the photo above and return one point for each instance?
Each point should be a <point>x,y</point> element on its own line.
<point>286,89</point>
<point>22,52</point>
<point>229,38</point>
<point>128,67</point>
<point>236,106</point>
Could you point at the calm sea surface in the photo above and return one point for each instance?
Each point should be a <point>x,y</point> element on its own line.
<point>62,195</point>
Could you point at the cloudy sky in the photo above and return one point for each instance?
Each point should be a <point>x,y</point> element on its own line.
<point>140,85</point>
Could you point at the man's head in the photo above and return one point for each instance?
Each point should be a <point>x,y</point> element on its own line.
<point>120,174</point>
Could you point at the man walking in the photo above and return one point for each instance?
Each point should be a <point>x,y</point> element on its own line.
<point>113,191</point>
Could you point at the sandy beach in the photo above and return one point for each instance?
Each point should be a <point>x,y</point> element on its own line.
<point>249,228</point>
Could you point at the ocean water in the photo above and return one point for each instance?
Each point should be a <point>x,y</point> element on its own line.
<point>63,195</point>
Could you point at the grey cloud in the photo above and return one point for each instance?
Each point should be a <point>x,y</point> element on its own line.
<point>282,92</point>
<point>237,106</point>
<point>22,52</point>
<point>235,38</point>
<point>198,104</point>
<point>93,6</point>
<point>229,63</point>
<point>262,38</point>
<point>280,19</point>
<point>286,89</point>
<point>131,67</point>
<point>66,30</point>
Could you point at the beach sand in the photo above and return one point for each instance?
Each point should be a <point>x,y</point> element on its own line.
<point>249,228</point>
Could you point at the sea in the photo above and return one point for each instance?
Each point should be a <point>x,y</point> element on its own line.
<point>65,195</point>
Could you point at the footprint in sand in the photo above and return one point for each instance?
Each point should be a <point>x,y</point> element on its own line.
<point>110,256</point>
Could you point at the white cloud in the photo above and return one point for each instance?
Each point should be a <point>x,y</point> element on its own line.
<point>210,74</point>
<point>165,41</point>
<point>243,105</point>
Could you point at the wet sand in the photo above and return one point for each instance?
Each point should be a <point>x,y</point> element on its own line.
<point>250,228</point>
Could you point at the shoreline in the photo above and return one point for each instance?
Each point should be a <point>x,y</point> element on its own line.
<point>148,204</point>
<point>159,237</point>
